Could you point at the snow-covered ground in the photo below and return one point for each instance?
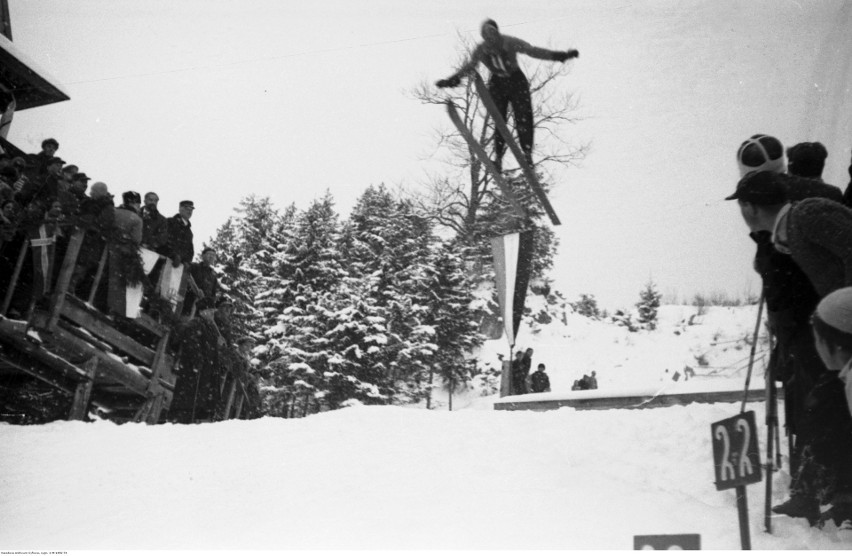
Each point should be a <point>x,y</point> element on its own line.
<point>407,478</point>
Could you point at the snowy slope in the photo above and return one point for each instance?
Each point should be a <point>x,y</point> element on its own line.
<point>406,478</point>
<point>382,477</point>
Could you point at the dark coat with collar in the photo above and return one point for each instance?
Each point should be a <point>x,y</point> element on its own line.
<point>179,241</point>
<point>155,232</point>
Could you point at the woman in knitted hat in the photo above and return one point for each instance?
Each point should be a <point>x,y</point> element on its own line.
<point>508,84</point>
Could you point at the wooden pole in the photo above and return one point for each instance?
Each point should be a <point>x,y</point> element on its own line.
<point>742,510</point>
<point>232,390</point>
<point>15,274</point>
<point>64,279</point>
<point>506,377</point>
<point>98,275</point>
<point>83,392</point>
<point>771,424</point>
<point>753,348</point>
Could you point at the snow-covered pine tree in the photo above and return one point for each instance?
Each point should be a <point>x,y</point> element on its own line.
<point>649,303</point>
<point>587,306</point>
<point>452,317</point>
<point>391,253</point>
<point>305,291</point>
<point>246,245</point>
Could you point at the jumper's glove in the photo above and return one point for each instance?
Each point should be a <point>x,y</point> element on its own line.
<point>451,82</point>
<point>567,55</point>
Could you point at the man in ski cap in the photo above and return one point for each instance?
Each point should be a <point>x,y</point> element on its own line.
<point>761,152</point>
<point>508,84</point>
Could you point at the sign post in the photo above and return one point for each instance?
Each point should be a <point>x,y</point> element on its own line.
<point>736,460</point>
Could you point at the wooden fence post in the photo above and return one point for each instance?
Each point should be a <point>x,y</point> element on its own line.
<point>83,392</point>
<point>7,300</point>
<point>98,275</point>
<point>64,279</point>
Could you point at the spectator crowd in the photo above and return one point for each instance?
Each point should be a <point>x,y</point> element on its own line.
<point>522,382</point>
<point>125,249</point>
<point>802,229</point>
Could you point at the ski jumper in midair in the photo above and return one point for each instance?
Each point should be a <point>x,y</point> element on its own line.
<point>508,84</point>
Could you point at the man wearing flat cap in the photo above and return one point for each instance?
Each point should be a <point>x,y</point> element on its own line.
<point>179,243</point>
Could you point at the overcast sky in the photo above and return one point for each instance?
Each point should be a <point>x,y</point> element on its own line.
<point>212,100</point>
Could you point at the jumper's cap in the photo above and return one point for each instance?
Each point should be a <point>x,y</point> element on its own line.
<point>187,204</point>
<point>761,152</point>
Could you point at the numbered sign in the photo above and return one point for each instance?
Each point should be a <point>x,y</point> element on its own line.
<point>667,542</point>
<point>735,451</point>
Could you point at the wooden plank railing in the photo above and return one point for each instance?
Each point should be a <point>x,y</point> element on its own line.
<point>103,349</point>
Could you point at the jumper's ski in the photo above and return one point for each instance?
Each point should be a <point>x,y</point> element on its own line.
<point>483,157</point>
<point>503,130</point>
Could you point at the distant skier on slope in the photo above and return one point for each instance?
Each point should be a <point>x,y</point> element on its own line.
<point>508,84</point>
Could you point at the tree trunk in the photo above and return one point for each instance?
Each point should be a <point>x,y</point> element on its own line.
<point>429,389</point>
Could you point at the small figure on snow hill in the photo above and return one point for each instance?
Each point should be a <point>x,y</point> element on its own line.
<point>526,363</point>
<point>508,84</point>
<point>592,382</point>
<point>519,385</point>
<point>539,381</point>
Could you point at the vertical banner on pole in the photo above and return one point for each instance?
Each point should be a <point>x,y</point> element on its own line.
<point>512,265</point>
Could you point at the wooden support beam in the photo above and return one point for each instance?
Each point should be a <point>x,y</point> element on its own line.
<point>19,343</point>
<point>12,361</point>
<point>83,392</point>
<point>239,409</point>
<point>62,282</point>
<point>232,391</point>
<point>67,345</point>
<point>147,323</point>
<point>98,275</point>
<point>96,324</point>
<point>7,300</point>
